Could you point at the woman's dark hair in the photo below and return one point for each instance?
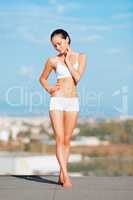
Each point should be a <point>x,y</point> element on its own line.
<point>62,32</point>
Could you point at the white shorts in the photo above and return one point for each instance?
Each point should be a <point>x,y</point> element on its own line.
<point>64,103</point>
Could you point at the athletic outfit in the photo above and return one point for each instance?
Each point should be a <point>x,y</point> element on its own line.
<point>64,103</point>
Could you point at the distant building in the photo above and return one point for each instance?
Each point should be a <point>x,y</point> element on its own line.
<point>4,135</point>
<point>89,140</point>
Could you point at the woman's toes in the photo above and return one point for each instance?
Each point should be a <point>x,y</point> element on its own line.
<point>67,184</point>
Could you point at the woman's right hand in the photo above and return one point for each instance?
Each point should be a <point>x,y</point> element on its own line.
<point>54,88</point>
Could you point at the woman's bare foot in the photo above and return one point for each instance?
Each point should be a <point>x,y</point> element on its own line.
<point>67,183</point>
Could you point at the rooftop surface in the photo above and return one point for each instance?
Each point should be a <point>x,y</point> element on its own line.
<point>15,187</point>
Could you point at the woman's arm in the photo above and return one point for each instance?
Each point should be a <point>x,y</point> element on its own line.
<point>77,73</point>
<point>45,74</point>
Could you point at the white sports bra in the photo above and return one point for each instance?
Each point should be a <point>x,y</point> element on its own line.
<point>62,71</point>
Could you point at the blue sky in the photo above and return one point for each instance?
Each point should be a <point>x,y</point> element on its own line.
<point>101,29</point>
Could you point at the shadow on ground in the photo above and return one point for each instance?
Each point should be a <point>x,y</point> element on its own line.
<point>36,178</point>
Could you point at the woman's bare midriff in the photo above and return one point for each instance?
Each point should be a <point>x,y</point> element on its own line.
<point>67,88</point>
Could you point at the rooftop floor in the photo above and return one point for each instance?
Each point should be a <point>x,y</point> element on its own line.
<point>13,187</point>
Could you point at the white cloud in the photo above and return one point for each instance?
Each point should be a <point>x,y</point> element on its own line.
<point>99,27</point>
<point>109,27</point>
<point>30,36</point>
<point>27,71</point>
<point>69,6</point>
<point>60,8</point>
<point>52,1</point>
<point>123,15</point>
<point>113,51</point>
<point>90,38</point>
<point>130,67</point>
<point>34,23</point>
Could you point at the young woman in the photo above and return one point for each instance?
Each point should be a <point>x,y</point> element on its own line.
<point>69,66</point>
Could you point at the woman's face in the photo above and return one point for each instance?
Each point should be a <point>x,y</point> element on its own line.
<point>59,43</point>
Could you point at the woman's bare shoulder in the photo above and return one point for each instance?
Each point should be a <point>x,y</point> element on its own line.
<point>52,61</point>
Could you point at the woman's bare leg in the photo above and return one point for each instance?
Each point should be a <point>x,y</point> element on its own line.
<point>70,120</point>
<point>58,128</point>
